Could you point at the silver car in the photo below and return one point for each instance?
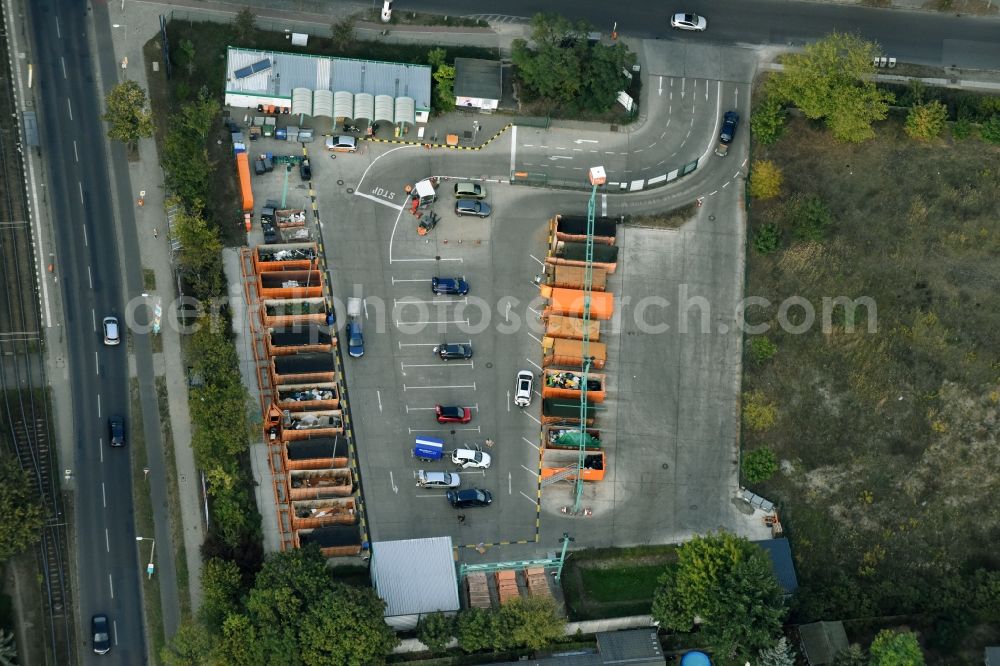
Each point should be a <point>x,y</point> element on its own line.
<point>341,144</point>
<point>438,479</point>
<point>468,190</point>
<point>112,336</point>
<point>683,21</point>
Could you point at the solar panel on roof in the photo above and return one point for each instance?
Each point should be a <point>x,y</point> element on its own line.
<point>259,66</point>
<point>243,72</point>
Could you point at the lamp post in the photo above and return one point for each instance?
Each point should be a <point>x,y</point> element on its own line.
<point>150,568</point>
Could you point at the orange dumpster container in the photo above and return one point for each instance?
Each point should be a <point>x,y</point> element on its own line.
<point>243,168</point>
<point>571,302</point>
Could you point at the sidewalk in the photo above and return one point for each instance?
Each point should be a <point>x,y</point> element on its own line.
<point>139,22</point>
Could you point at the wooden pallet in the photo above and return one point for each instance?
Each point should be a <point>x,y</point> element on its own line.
<point>507,586</point>
<point>479,590</point>
<point>538,582</point>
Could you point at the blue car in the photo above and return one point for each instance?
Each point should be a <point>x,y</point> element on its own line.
<point>456,286</point>
<point>355,340</point>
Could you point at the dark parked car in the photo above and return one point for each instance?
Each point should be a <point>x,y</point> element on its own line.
<point>729,123</point>
<point>453,350</point>
<point>463,499</point>
<point>99,630</point>
<point>471,207</point>
<point>452,414</point>
<point>355,340</point>
<point>116,428</point>
<point>305,170</point>
<point>457,286</point>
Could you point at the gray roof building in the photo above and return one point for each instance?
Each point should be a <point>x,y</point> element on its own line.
<point>821,641</point>
<point>414,577</point>
<point>991,656</point>
<point>635,647</point>
<point>478,78</point>
<point>293,79</point>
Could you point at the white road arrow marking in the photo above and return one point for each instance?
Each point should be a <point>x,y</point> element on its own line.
<point>579,141</point>
<point>560,157</point>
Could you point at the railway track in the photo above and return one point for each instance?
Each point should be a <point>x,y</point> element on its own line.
<point>25,419</point>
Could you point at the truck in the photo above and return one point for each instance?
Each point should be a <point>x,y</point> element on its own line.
<point>569,353</point>
<point>560,326</point>
<point>573,302</point>
<point>355,338</point>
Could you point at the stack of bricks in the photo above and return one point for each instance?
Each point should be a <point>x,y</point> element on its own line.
<point>538,583</point>
<point>507,585</point>
<point>479,590</point>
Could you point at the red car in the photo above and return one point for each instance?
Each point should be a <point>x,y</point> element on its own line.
<point>453,414</point>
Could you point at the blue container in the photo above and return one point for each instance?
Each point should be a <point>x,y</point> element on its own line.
<point>428,449</point>
<point>281,134</point>
<point>696,659</point>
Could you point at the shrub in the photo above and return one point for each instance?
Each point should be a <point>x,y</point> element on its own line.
<point>891,648</point>
<point>759,413</point>
<point>767,121</point>
<point>808,216</point>
<point>926,121</point>
<point>759,465</point>
<point>762,348</point>
<point>435,630</point>
<point>990,131</point>
<point>961,128</point>
<point>765,180</point>
<point>767,238</point>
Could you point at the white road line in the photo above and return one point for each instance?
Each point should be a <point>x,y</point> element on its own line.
<point>79,186</point>
<point>533,501</point>
<point>107,541</point>
<point>69,105</point>
<point>510,489</point>
<point>379,394</point>
<point>542,263</point>
<point>532,472</point>
<point>58,31</point>
<point>100,447</point>
<point>425,323</point>
<point>532,418</point>
<point>535,338</point>
<point>436,388</point>
<point>114,624</point>
<point>111,585</point>
<point>97,365</point>
<point>437,365</point>
<point>75,153</point>
<point>379,200</point>
<point>535,311</point>
<point>90,278</point>
<point>93,319</point>
<point>392,482</point>
<point>604,205</point>
<point>419,259</point>
<point>85,241</point>
<point>406,299</point>
<point>63,62</point>
<point>528,442</point>
<point>419,344</point>
<point>392,236</point>
<point>513,147</point>
<point>98,405</point>
<point>395,280</point>
<point>470,429</point>
<point>104,496</point>
<point>533,363</point>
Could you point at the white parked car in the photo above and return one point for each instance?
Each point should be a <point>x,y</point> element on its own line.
<point>522,388</point>
<point>688,22</point>
<point>112,336</point>
<point>469,458</point>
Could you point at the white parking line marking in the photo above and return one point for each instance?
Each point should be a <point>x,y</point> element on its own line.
<point>424,323</point>
<point>436,388</point>
<point>395,280</point>
<point>458,259</point>
<point>513,147</point>
<point>470,364</point>
<point>379,394</point>
<point>533,418</point>
<point>413,430</point>
<point>535,338</point>
<point>528,441</point>
<point>107,541</point>
<point>420,344</point>
<point>510,489</point>
<point>392,482</point>
<point>533,363</point>
<point>542,263</point>
<point>533,501</point>
<point>532,472</point>
<point>412,299</point>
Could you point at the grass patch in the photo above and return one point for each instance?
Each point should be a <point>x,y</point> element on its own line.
<point>613,582</point>
<point>417,18</point>
<point>673,219</point>
<point>143,515</point>
<point>148,279</point>
<point>889,459</point>
<point>173,497</point>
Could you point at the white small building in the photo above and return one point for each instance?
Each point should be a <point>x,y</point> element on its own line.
<point>478,84</point>
<point>414,577</point>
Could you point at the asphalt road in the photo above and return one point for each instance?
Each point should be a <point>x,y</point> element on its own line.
<point>920,37</point>
<point>109,571</point>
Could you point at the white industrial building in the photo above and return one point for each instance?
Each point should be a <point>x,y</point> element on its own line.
<point>328,90</point>
<point>414,577</point>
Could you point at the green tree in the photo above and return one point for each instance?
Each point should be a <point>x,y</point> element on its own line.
<point>724,585</point>
<point>779,654</point>
<point>435,630</point>
<point>342,33</point>
<point>759,465</point>
<point>128,112</point>
<point>476,630</point>
<point>767,238</point>
<point>759,413</point>
<point>831,80</point>
<point>23,516</point>
<point>765,179</point>
<point>852,655</point>
<point>762,348</point>
<point>990,131</point>
<point>192,645</point>
<point>185,155</point>
<point>444,89</point>
<point>221,586</point>
<point>200,257</point>
<point>961,129</point>
<point>767,122</point>
<point>245,24</point>
<point>530,622</point>
<point>926,121</point>
<point>186,48</point>
<point>808,216</point>
<point>233,511</point>
<point>8,648</point>
<point>603,78</point>
<point>553,69</point>
<point>892,648</point>
<point>297,613</point>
